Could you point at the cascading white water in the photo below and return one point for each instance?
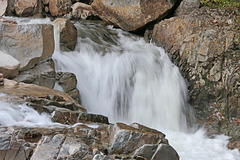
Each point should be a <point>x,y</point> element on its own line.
<point>21,115</point>
<point>128,82</point>
<point>126,79</point>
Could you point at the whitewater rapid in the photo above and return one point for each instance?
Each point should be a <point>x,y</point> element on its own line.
<point>128,80</point>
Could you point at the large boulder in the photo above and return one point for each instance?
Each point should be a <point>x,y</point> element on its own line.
<point>131,15</point>
<point>27,43</point>
<point>27,8</point>
<point>68,34</point>
<point>3,7</point>
<point>59,7</point>
<point>9,66</point>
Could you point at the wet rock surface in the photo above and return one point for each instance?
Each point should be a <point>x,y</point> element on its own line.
<point>68,34</point>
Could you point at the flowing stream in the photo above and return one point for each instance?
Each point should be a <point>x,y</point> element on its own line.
<point>128,80</point>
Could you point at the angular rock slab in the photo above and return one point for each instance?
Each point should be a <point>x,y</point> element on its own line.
<point>157,152</point>
<point>125,139</point>
<point>9,66</point>
<point>48,147</point>
<point>131,15</point>
<point>27,43</point>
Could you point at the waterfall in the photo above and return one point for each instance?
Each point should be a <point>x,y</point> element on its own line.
<point>128,80</point>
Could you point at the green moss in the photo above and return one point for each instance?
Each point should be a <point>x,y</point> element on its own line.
<point>223,4</point>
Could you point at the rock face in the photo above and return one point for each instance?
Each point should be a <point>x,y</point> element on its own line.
<point>131,15</point>
<point>3,7</point>
<point>81,10</point>
<point>27,8</point>
<point>59,7</point>
<point>27,43</point>
<point>9,66</point>
<point>68,34</point>
<point>206,49</point>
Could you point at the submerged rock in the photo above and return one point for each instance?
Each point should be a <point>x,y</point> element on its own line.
<point>9,66</point>
<point>29,44</point>
<point>68,34</point>
<point>131,15</point>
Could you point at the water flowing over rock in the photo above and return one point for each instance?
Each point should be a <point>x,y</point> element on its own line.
<point>27,43</point>
<point>59,7</point>
<point>9,66</point>
<point>38,95</point>
<point>3,7</point>
<point>68,34</point>
<point>131,15</point>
